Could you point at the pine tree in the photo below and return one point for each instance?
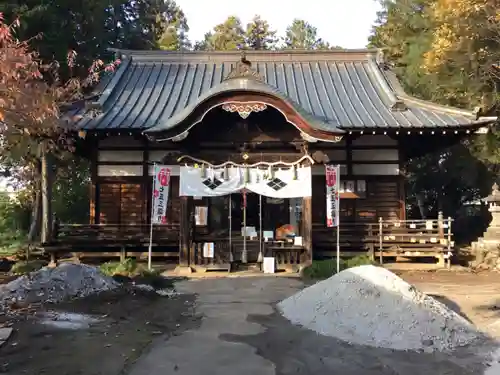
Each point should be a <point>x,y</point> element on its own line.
<point>259,36</point>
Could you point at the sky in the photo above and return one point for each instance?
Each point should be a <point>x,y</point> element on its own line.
<point>344,23</point>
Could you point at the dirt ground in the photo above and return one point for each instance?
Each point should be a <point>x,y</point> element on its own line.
<point>476,296</point>
<point>129,323</point>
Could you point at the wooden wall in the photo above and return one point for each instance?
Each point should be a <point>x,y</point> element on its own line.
<point>372,184</point>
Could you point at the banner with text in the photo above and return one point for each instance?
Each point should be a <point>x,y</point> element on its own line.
<point>332,173</point>
<point>161,184</point>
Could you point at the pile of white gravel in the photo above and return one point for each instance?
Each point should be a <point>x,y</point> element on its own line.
<point>370,305</point>
<point>56,284</point>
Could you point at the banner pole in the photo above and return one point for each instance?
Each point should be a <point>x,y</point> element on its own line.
<point>261,255</point>
<point>337,219</point>
<point>244,255</point>
<point>231,256</point>
<point>150,248</point>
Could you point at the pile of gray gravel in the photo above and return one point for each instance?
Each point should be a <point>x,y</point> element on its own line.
<point>52,285</point>
<point>370,305</point>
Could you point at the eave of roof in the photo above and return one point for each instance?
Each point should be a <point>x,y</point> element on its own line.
<point>333,90</point>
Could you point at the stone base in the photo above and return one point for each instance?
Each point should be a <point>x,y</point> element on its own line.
<point>487,254</point>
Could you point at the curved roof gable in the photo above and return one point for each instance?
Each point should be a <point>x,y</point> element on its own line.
<point>332,90</point>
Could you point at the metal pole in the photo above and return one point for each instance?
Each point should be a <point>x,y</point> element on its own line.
<point>338,217</point>
<point>449,241</point>
<point>259,259</point>
<point>230,229</point>
<point>244,257</point>
<point>380,227</point>
<point>150,249</point>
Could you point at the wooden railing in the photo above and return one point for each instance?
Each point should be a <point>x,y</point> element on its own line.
<point>109,240</point>
<point>387,238</point>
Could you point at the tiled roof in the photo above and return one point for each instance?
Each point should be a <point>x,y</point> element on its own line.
<point>332,89</point>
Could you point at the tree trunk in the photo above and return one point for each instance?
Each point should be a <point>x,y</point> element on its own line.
<point>46,193</point>
<point>36,216</point>
<point>421,205</point>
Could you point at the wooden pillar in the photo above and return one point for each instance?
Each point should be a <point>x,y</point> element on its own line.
<point>186,233</point>
<point>306,231</point>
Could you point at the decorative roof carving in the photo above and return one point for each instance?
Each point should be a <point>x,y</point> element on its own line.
<point>243,69</point>
<point>244,109</point>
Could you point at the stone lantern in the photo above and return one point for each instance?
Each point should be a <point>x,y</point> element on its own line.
<point>494,207</point>
<point>487,248</point>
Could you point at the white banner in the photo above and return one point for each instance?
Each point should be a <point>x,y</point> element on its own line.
<point>161,185</point>
<point>285,183</point>
<point>332,173</point>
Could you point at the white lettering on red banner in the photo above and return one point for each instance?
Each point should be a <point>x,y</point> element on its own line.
<point>332,173</point>
<point>161,184</point>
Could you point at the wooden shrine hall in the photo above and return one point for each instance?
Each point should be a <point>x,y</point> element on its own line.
<point>288,112</point>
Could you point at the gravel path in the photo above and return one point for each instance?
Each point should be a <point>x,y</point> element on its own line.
<point>242,333</point>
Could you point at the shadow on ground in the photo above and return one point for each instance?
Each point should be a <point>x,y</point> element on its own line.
<point>295,350</point>
<point>451,305</point>
<point>491,307</point>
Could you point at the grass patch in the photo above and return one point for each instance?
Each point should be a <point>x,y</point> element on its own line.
<point>126,268</point>
<point>12,244</point>
<point>130,270</point>
<point>24,267</point>
<point>323,269</point>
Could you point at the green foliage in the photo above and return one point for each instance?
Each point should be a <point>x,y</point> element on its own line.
<point>302,35</point>
<point>412,34</point>
<point>175,27</point>
<point>225,36</point>
<point>359,260</point>
<point>91,27</point>
<point>128,267</point>
<point>444,181</point>
<point>14,220</point>
<point>259,36</point>
<point>139,273</point>
<point>25,267</point>
<point>323,269</point>
<point>71,192</point>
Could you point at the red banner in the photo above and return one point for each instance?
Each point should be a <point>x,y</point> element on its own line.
<point>161,182</point>
<point>332,174</point>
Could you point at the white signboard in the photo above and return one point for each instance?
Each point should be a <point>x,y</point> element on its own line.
<point>268,266</point>
<point>208,250</point>
<point>161,185</point>
<point>332,173</point>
